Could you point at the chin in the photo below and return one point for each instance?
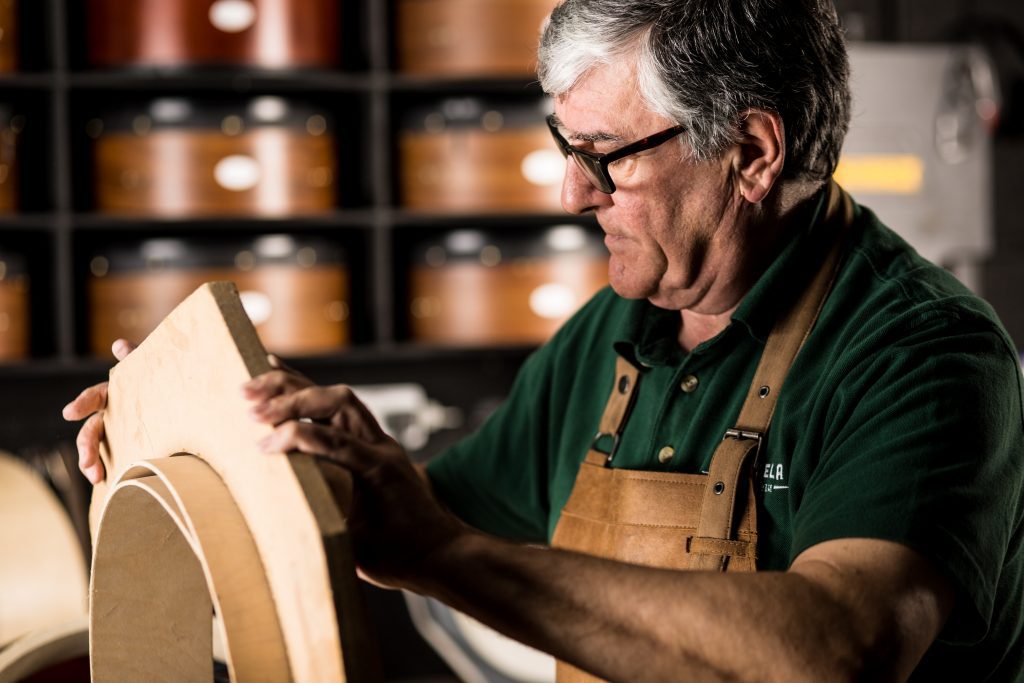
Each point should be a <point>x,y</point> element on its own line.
<point>628,289</point>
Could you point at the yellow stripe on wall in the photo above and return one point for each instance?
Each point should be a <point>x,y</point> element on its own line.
<point>881,173</point>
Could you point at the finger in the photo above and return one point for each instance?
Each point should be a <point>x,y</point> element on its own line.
<point>278,364</point>
<point>352,415</point>
<point>336,403</point>
<point>88,445</point>
<point>374,582</point>
<point>316,403</point>
<point>121,348</point>
<point>273,383</point>
<point>320,440</point>
<point>86,403</point>
<point>357,419</point>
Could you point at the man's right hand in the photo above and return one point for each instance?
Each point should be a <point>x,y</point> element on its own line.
<point>90,404</point>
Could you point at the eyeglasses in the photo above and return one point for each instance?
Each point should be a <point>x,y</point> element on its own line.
<point>595,166</point>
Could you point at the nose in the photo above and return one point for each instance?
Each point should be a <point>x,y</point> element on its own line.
<point>579,196</point>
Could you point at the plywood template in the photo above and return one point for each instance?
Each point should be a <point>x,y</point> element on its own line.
<point>195,518</point>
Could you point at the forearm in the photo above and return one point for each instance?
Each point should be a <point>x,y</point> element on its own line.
<point>625,622</point>
<point>848,609</point>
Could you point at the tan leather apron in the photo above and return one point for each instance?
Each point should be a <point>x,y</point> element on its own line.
<point>691,521</point>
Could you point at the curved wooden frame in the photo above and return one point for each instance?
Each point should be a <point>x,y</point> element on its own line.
<point>43,577</point>
<point>180,392</point>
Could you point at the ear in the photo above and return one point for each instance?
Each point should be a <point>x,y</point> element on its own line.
<point>761,154</point>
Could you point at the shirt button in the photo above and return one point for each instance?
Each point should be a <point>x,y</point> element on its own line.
<point>689,384</point>
<point>665,454</point>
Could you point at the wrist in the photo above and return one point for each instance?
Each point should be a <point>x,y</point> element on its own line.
<point>452,561</point>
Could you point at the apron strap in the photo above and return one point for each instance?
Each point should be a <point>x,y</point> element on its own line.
<point>613,420</point>
<point>735,455</point>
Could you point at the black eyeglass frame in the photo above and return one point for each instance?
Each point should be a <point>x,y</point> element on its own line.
<point>595,166</point>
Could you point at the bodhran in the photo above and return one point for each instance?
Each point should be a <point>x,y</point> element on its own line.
<point>295,289</point>
<point>14,306</point>
<point>182,157</point>
<point>470,287</point>
<point>473,155</point>
<point>272,34</point>
<point>469,38</point>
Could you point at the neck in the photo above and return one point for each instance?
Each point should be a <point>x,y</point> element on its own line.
<point>697,328</point>
<point>743,255</point>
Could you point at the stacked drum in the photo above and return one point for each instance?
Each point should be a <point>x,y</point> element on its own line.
<point>14,301</point>
<point>469,37</point>
<point>295,289</point>
<point>480,156</point>
<point>11,125</point>
<point>14,306</point>
<point>178,156</point>
<point>8,36</point>
<point>187,33</point>
<point>470,287</point>
<point>473,155</point>
<point>206,155</point>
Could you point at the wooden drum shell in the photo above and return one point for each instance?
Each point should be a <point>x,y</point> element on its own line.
<point>469,37</point>
<point>472,304</point>
<point>14,318</point>
<point>471,170</point>
<point>8,36</point>
<point>309,306</point>
<point>176,173</point>
<point>177,33</point>
<point>9,131</point>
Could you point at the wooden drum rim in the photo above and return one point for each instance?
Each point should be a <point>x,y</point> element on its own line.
<point>180,493</point>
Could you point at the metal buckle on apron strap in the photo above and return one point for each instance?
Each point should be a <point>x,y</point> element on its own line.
<point>742,435</point>
<point>611,452</point>
<point>747,435</point>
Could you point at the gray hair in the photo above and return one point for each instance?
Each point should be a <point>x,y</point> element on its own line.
<point>705,63</point>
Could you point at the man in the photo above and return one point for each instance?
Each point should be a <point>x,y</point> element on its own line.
<point>886,515</point>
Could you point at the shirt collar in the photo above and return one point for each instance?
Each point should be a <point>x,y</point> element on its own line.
<point>649,335</point>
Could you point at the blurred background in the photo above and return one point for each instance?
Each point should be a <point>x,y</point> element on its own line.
<point>378,180</point>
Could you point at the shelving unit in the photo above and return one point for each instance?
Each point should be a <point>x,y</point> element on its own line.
<point>60,92</point>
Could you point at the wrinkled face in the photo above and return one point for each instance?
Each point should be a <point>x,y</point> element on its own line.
<point>663,222</point>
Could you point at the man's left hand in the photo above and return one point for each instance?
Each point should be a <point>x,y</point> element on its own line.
<point>397,524</point>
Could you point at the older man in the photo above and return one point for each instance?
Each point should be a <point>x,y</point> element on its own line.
<point>881,510</point>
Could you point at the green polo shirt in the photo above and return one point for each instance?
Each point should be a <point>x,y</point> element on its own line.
<point>901,419</point>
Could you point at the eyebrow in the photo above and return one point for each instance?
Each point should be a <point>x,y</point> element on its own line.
<point>588,137</point>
